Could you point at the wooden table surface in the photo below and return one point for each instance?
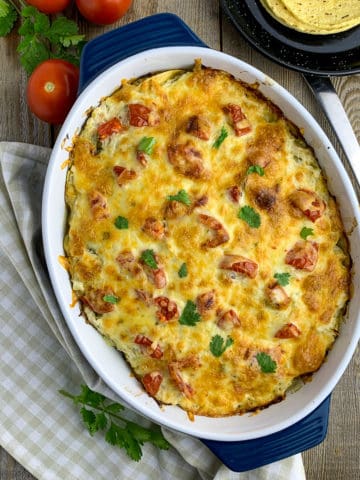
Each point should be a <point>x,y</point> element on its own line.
<point>338,457</point>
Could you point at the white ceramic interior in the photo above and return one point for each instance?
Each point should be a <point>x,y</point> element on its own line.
<point>107,362</point>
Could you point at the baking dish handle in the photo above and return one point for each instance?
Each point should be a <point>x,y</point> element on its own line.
<point>326,95</point>
<point>161,30</point>
<point>250,454</point>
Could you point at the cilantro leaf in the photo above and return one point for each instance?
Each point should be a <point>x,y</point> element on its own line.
<point>282,278</point>
<point>64,32</point>
<point>102,415</point>
<point>146,145</point>
<point>223,134</point>
<point>148,257</point>
<point>266,363</point>
<point>183,272</point>
<point>182,196</point>
<point>89,397</point>
<point>121,223</point>
<point>218,345</point>
<point>42,38</point>
<point>189,316</point>
<point>8,17</point>
<point>89,419</point>
<point>110,299</point>
<point>305,232</point>
<point>255,169</point>
<point>32,52</point>
<point>250,216</point>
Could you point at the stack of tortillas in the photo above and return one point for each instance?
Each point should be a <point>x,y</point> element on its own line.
<point>317,17</point>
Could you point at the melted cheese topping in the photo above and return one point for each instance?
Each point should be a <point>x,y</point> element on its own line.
<point>260,301</point>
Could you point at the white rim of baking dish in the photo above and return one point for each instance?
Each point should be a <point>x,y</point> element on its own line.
<point>105,360</point>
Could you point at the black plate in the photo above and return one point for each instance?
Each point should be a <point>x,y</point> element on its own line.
<point>335,54</point>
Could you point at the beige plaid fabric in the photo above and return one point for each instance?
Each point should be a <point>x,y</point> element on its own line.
<point>38,356</point>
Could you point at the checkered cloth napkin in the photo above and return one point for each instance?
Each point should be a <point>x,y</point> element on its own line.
<point>38,356</point>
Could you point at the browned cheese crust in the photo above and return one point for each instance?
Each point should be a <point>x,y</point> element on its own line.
<point>203,242</point>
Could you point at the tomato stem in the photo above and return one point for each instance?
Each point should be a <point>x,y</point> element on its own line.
<point>49,87</point>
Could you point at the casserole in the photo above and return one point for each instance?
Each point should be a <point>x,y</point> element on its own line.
<point>106,361</point>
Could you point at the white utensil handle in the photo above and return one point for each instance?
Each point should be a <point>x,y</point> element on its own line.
<point>326,95</point>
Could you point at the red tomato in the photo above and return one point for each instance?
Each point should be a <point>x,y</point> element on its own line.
<point>52,89</point>
<point>103,12</point>
<point>49,6</point>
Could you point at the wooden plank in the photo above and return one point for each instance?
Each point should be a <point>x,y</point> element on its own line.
<point>16,122</point>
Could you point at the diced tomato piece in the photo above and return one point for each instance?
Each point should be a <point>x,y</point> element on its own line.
<point>123,175</point>
<point>228,320</point>
<point>220,235</point>
<point>187,160</point>
<point>98,205</point>
<point>303,256</point>
<point>205,302</point>
<point>154,350</point>
<point>309,203</point>
<point>154,227</point>
<point>139,115</point>
<point>198,127</point>
<point>288,331</point>
<point>234,193</point>
<point>167,309</point>
<point>94,299</point>
<point>240,123</point>
<point>108,128</point>
<point>152,382</point>
<point>239,264</point>
<point>174,368</point>
<point>277,296</point>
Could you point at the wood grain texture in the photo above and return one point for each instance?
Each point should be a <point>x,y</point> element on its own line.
<point>337,458</point>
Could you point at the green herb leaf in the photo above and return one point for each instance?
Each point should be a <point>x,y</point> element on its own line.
<point>250,216</point>
<point>89,397</point>
<point>266,363</point>
<point>218,345</point>
<point>305,232</point>
<point>183,271</point>
<point>121,223</point>
<point>190,316</point>
<point>104,412</point>
<point>41,38</point>
<point>89,419</point>
<point>182,196</point>
<point>61,29</point>
<point>146,145</point>
<point>8,17</point>
<point>255,169</point>
<point>32,52</point>
<point>148,257</point>
<point>282,278</point>
<point>220,138</point>
<point>110,299</point>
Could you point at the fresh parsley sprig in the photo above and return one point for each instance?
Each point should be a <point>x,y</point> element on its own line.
<point>41,37</point>
<point>99,413</point>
